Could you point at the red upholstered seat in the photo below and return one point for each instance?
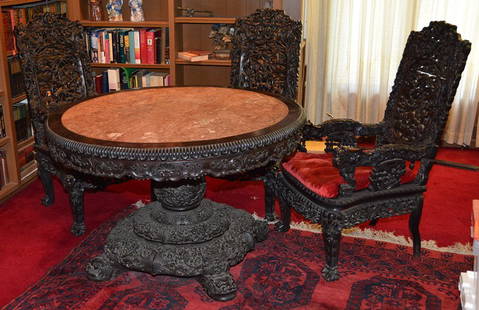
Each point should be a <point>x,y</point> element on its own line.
<point>317,173</point>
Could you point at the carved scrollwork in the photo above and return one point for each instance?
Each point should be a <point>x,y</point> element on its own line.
<point>55,65</point>
<point>265,54</point>
<point>210,258</point>
<point>425,85</point>
<point>178,163</point>
<point>387,174</point>
<point>182,196</point>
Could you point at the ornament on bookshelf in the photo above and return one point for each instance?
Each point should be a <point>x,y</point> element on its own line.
<point>189,12</point>
<point>95,10</point>
<point>221,35</point>
<point>113,8</point>
<point>268,4</point>
<point>137,14</point>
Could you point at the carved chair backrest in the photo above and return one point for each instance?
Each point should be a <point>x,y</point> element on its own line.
<point>425,85</point>
<point>55,65</point>
<point>265,53</point>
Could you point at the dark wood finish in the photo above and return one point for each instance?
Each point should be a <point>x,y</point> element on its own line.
<point>57,71</point>
<point>416,114</point>
<point>265,53</point>
<point>181,233</point>
<point>456,165</point>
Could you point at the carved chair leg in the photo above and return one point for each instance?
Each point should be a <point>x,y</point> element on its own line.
<point>47,182</point>
<point>269,198</point>
<point>76,195</point>
<point>154,184</point>
<point>414,220</point>
<point>331,238</point>
<point>283,224</point>
<point>45,172</point>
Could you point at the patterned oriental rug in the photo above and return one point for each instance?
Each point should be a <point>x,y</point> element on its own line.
<point>283,272</point>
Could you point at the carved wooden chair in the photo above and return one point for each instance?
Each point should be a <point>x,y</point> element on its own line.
<point>351,185</point>
<point>56,70</point>
<point>265,57</point>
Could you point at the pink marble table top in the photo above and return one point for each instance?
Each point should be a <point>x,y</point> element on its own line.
<point>167,115</point>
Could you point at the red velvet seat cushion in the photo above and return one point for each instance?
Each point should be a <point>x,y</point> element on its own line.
<point>317,173</point>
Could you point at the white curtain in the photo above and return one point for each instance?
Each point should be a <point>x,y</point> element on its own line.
<point>354,48</point>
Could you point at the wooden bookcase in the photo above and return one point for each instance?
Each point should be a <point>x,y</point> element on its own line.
<point>184,33</point>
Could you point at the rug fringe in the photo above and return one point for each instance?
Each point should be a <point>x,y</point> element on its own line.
<point>379,235</point>
<point>139,204</point>
<point>385,236</point>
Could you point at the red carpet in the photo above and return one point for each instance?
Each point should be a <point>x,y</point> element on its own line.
<point>446,216</point>
<point>283,272</point>
<point>34,238</point>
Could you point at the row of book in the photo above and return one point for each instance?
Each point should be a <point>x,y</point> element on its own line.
<point>23,124</point>
<point>128,78</point>
<point>129,46</point>
<point>21,14</point>
<point>26,162</point>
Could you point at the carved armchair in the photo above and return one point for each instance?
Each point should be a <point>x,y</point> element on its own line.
<point>265,57</point>
<point>351,184</point>
<point>56,71</point>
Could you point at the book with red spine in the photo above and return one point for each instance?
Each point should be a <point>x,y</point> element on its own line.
<point>143,47</point>
<point>8,24</point>
<point>150,47</point>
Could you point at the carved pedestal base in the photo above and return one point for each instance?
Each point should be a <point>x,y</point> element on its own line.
<point>203,242</point>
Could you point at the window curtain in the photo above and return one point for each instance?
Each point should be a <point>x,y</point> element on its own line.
<point>354,48</point>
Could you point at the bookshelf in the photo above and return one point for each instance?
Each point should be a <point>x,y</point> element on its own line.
<point>185,32</point>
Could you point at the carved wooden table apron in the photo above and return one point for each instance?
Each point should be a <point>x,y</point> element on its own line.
<point>175,137</point>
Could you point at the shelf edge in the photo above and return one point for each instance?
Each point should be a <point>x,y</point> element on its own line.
<point>124,24</point>
<point>211,62</point>
<point>205,20</point>
<point>120,65</point>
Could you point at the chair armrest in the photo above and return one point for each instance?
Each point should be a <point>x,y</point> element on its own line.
<point>340,132</point>
<point>388,162</point>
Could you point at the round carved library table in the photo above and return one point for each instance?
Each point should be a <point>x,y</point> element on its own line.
<point>176,136</point>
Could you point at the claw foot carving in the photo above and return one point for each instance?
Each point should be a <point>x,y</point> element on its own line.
<point>330,273</point>
<point>281,227</point>
<point>219,286</point>
<point>46,201</point>
<point>101,269</point>
<point>78,229</point>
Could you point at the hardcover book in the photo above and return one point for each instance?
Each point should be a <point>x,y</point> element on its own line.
<point>194,55</point>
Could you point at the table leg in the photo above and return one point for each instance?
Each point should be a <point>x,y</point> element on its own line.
<point>181,234</point>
